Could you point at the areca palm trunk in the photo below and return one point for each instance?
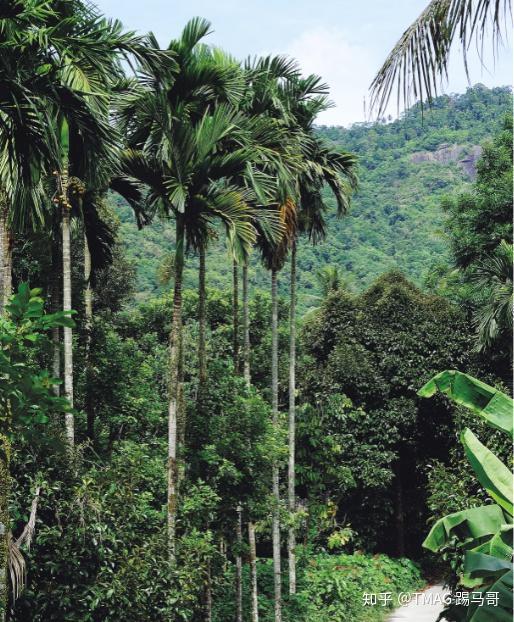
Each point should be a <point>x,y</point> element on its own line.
<point>55,299</point>
<point>277,569</point>
<point>66,299</point>
<point>239,566</point>
<point>88,326</point>
<point>235,316</point>
<point>5,254</point>
<point>254,601</point>
<point>5,443</point>
<point>202,325</point>
<point>291,497</point>
<point>174,390</point>
<point>5,488</point>
<point>246,327</point>
<point>253,573</point>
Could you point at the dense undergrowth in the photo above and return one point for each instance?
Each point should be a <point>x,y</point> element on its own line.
<point>331,588</point>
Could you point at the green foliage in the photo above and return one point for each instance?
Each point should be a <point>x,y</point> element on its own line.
<point>26,393</point>
<point>479,229</point>
<point>209,142</point>
<point>231,444</point>
<point>335,586</point>
<point>362,356</point>
<point>482,534</point>
<point>479,220</point>
<point>331,588</point>
<point>101,549</point>
<point>402,230</point>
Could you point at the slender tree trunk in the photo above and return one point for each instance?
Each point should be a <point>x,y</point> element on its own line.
<point>174,389</point>
<point>88,326</point>
<point>88,292</point>
<point>291,496</point>
<point>253,573</point>
<point>5,488</point>
<point>246,327</point>
<point>277,570</point>
<point>181,419</point>
<point>55,300</point>
<point>254,604</point>
<point>235,316</point>
<point>67,331</point>
<point>202,326</point>
<point>5,255</point>
<point>239,566</point>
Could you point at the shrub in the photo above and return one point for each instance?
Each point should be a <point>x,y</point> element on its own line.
<point>331,588</point>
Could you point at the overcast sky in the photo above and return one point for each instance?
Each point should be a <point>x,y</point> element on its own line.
<point>344,41</point>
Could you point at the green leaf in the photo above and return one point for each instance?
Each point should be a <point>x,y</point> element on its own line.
<point>501,544</point>
<point>494,476</point>
<point>501,612</point>
<point>486,401</point>
<point>481,565</point>
<point>470,526</point>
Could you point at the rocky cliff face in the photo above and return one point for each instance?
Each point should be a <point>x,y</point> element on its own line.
<point>464,155</point>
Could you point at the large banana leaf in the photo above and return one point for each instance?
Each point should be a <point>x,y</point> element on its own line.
<point>479,565</point>
<point>483,531</point>
<point>494,476</point>
<point>469,526</point>
<point>500,545</point>
<point>501,612</point>
<point>492,405</point>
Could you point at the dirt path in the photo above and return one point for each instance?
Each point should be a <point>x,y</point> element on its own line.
<point>424,607</point>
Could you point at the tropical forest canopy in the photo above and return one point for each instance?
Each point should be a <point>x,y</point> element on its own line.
<point>243,357</point>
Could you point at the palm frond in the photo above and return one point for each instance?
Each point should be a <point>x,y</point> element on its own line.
<point>17,568</point>
<point>419,61</point>
<point>493,285</point>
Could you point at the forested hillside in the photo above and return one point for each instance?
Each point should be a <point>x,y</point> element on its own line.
<point>188,436</point>
<point>405,168</point>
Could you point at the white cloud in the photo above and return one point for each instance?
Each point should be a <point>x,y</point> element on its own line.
<point>346,67</point>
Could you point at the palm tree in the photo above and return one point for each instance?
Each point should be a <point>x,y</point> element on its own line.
<point>321,165</point>
<point>330,280</point>
<point>26,137</point>
<point>420,58</point>
<point>204,162</point>
<point>83,57</point>
<point>492,278</point>
<point>187,150</point>
<point>273,255</point>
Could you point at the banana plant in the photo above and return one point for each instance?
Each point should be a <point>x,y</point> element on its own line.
<point>483,533</point>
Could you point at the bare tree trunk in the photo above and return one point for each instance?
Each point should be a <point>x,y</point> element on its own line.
<point>239,567</point>
<point>88,327</point>
<point>55,300</point>
<point>253,573</point>
<point>254,606</point>
<point>202,326</point>
<point>88,292</point>
<point>246,327</point>
<point>5,489</point>
<point>291,496</point>
<point>67,331</point>
<point>5,255</point>
<point>174,389</point>
<point>235,316</point>
<point>277,570</point>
